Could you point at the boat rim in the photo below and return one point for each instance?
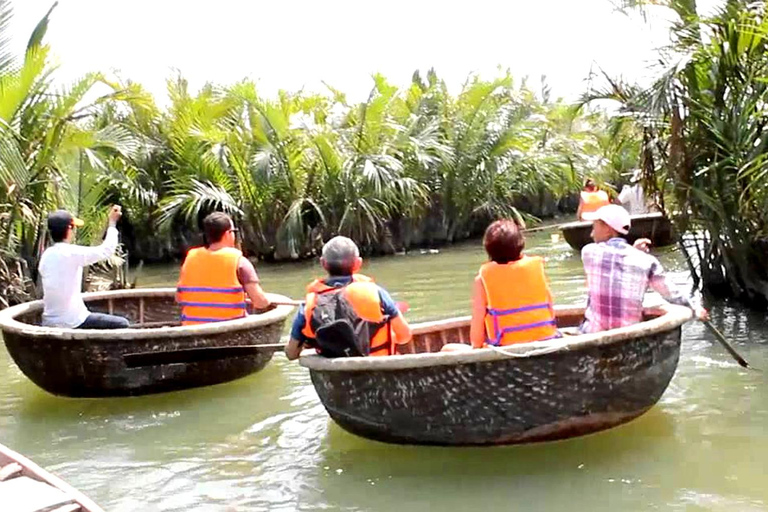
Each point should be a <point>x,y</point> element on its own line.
<point>671,317</point>
<point>10,324</point>
<point>42,474</point>
<point>585,223</point>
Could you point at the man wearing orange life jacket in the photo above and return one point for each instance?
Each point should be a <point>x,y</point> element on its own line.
<point>511,301</point>
<point>591,199</point>
<point>341,260</point>
<point>215,279</point>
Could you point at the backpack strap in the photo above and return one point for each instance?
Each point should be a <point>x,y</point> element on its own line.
<point>309,308</point>
<point>388,344</point>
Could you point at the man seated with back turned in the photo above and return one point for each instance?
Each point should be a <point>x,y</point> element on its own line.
<point>215,279</point>
<point>618,274</point>
<point>373,327</point>
<point>61,270</point>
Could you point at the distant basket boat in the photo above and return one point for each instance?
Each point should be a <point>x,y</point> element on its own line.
<point>536,391</point>
<point>157,354</point>
<point>654,226</point>
<point>25,486</point>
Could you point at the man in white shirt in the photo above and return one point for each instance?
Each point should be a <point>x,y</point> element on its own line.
<point>632,196</point>
<point>61,269</point>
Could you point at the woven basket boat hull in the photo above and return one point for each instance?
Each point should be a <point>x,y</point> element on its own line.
<point>550,390</point>
<point>90,363</point>
<point>653,226</point>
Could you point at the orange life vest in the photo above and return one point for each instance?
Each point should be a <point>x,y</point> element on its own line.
<point>593,201</point>
<point>208,288</point>
<point>363,294</point>
<point>519,304</point>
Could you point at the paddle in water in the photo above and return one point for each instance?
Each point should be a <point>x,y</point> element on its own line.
<point>724,342</point>
<point>644,245</point>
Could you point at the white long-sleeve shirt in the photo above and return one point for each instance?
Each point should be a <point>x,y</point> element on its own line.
<point>61,269</point>
<point>633,199</point>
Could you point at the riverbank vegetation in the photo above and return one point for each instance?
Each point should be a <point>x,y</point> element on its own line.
<point>409,166</point>
<point>704,142</point>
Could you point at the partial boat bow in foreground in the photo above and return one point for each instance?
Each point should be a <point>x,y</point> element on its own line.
<point>25,486</point>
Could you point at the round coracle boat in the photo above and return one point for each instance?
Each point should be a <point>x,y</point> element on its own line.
<point>155,355</point>
<point>527,392</point>
<point>25,486</point>
<point>653,226</point>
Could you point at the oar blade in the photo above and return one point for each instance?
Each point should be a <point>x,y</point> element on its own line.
<point>194,355</point>
<point>732,351</point>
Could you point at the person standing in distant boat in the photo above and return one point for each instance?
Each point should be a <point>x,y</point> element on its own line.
<point>61,270</point>
<point>215,279</point>
<point>632,196</point>
<point>591,198</point>
<point>619,274</point>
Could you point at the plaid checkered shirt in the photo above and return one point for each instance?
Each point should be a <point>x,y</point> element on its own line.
<point>618,276</point>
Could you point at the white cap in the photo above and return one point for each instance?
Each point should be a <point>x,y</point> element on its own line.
<point>613,215</point>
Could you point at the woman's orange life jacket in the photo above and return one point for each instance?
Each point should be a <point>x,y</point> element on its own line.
<point>593,201</point>
<point>363,294</point>
<point>208,289</point>
<point>519,304</point>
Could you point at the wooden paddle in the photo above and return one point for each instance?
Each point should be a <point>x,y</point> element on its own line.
<point>724,342</point>
<point>550,226</point>
<point>193,355</point>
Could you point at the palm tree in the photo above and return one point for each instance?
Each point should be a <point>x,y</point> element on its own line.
<point>704,145</point>
<point>52,155</point>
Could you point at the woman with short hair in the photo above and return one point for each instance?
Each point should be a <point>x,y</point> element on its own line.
<point>511,302</point>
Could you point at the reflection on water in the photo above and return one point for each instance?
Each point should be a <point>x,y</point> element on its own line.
<point>265,442</point>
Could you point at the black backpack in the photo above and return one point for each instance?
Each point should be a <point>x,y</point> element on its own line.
<point>339,330</point>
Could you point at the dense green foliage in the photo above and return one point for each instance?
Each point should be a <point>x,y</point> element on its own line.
<point>408,166</point>
<point>704,142</point>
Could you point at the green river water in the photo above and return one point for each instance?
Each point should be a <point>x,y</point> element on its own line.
<point>266,443</point>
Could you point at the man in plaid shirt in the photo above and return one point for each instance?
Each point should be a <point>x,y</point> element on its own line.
<point>618,274</point>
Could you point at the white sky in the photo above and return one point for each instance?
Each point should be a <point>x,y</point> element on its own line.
<point>291,44</point>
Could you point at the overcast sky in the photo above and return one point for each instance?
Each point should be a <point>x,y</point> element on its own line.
<point>294,44</point>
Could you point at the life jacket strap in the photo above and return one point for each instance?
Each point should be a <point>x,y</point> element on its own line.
<point>234,289</point>
<point>236,305</point>
<point>186,318</point>
<point>496,313</point>
<point>386,324</point>
<point>522,309</point>
<point>497,342</point>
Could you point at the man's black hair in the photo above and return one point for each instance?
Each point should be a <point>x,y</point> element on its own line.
<point>215,226</point>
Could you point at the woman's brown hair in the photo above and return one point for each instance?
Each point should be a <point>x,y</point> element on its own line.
<point>503,241</point>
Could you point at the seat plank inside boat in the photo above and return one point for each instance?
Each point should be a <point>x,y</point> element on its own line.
<point>70,507</point>
<point>458,332</point>
<point>142,312</point>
